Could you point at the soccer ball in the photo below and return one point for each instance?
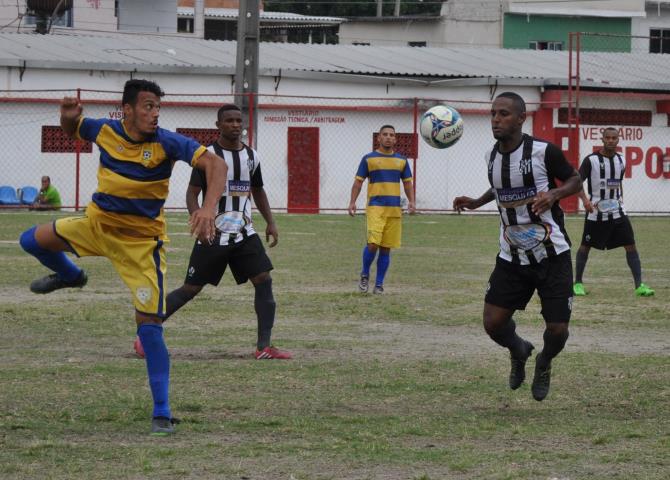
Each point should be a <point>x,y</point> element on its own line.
<point>441,126</point>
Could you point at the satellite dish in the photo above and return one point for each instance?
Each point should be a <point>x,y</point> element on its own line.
<point>45,11</point>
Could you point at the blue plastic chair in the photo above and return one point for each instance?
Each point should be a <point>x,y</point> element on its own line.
<point>8,196</point>
<point>29,195</point>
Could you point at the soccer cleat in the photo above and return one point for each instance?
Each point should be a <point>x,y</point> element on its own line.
<point>541,381</point>
<point>163,426</point>
<point>364,284</point>
<point>517,373</point>
<point>379,290</point>
<point>272,353</point>
<point>578,289</point>
<point>139,349</point>
<point>54,282</point>
<point>644,291</point>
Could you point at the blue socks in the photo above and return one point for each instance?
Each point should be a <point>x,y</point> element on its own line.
<point>383,263</point>
<point>158,366</point>
<point>368,258</point>
<point>56,261</point>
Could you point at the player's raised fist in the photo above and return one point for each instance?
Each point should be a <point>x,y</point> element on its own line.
<point>70,108</point>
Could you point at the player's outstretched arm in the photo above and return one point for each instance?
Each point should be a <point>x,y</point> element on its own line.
<point>70,111</point>
<point>355,191</point>
<point>216,172</point>
<point>469,203</point>
<point>263,206</point>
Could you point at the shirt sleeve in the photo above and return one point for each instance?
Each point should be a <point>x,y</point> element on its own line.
<point>198,179</point>
<point>557,165</point>
<point>257,177</point>
<point>585,169</point>
<point>407,172</point>
<point>179,147</point>
<point>89,128</point>
<point>363,171</point>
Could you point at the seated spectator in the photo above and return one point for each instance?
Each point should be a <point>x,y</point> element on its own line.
<point>48,198</point>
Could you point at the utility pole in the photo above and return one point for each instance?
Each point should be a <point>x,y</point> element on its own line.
<point>396,10</point>
<point>246,65</point>
<point>379,8</point>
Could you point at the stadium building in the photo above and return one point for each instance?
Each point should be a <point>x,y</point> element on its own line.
<point>319,106</point>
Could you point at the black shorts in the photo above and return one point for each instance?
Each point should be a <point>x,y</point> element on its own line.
<point>608,234</point>
<point>511,286</point>
<point>208,262</point>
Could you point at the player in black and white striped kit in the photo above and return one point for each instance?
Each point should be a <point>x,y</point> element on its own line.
<point>534,246</point>
<point>236,243</point>
<point>606,225</point>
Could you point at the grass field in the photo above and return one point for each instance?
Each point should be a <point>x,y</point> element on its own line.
<point>401,386</point>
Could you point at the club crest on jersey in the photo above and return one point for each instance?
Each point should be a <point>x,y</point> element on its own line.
<point>143,294</point>
<point>525,166</point>
<point>146,156</point>
<point>516,196</point>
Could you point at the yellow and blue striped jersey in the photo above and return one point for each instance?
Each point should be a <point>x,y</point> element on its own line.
<point>133,177</point>
<point>384,173</point>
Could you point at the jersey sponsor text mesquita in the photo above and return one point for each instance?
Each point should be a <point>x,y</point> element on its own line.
<point>515,178</point>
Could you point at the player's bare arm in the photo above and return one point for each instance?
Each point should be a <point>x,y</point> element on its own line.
<point>355,191</point>
<point>202,219</point>
<point>192,194</point>
<point>70,111</point>
<point>263,206</point>
<point>468,203</point>
<point>588,206</point>
<point>411,203</point>
<point>545,200</point>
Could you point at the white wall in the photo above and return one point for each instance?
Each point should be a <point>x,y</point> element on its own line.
<point>641,26</point>
<point>441,174</point>
<point>148,16</point>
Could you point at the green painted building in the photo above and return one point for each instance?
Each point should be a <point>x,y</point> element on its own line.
<point>547,32</point>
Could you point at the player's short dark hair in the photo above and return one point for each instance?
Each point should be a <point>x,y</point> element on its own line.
<point>225,107</point>
<point>615,130</point>
<point>516,98</point>
<point>132,88</point>
<point>387,126</point>
<point>47,177</point>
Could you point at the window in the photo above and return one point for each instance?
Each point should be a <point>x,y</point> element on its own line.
<point>416,44</point>
<point>659,41</point>
<point>64,20</point>
<point>185,25</point>
<point>537,45</point>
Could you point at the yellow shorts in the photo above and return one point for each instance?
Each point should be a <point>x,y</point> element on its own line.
<point>384,231</point>
<point>139,261</point>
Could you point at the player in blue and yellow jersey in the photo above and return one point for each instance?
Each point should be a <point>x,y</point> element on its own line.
<point>384,169</point>
<point>124,221</point>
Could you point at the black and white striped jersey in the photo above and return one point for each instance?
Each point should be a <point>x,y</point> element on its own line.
<point>244,172</point>
<point>604,176</point>
<point>515,178</point>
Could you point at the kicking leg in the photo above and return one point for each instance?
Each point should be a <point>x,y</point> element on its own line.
<point>43,243</point>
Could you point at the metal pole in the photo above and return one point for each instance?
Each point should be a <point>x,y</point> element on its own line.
<point>379,8</point>
<point>77,147</point>
<point>396,10</point>
<point>246,67</point>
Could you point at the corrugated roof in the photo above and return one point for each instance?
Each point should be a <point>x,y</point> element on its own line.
<point>181,54</point>
<point>287,17</point>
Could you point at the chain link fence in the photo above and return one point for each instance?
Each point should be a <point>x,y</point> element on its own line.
<point>310,147</point>
<point>631,98</point>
